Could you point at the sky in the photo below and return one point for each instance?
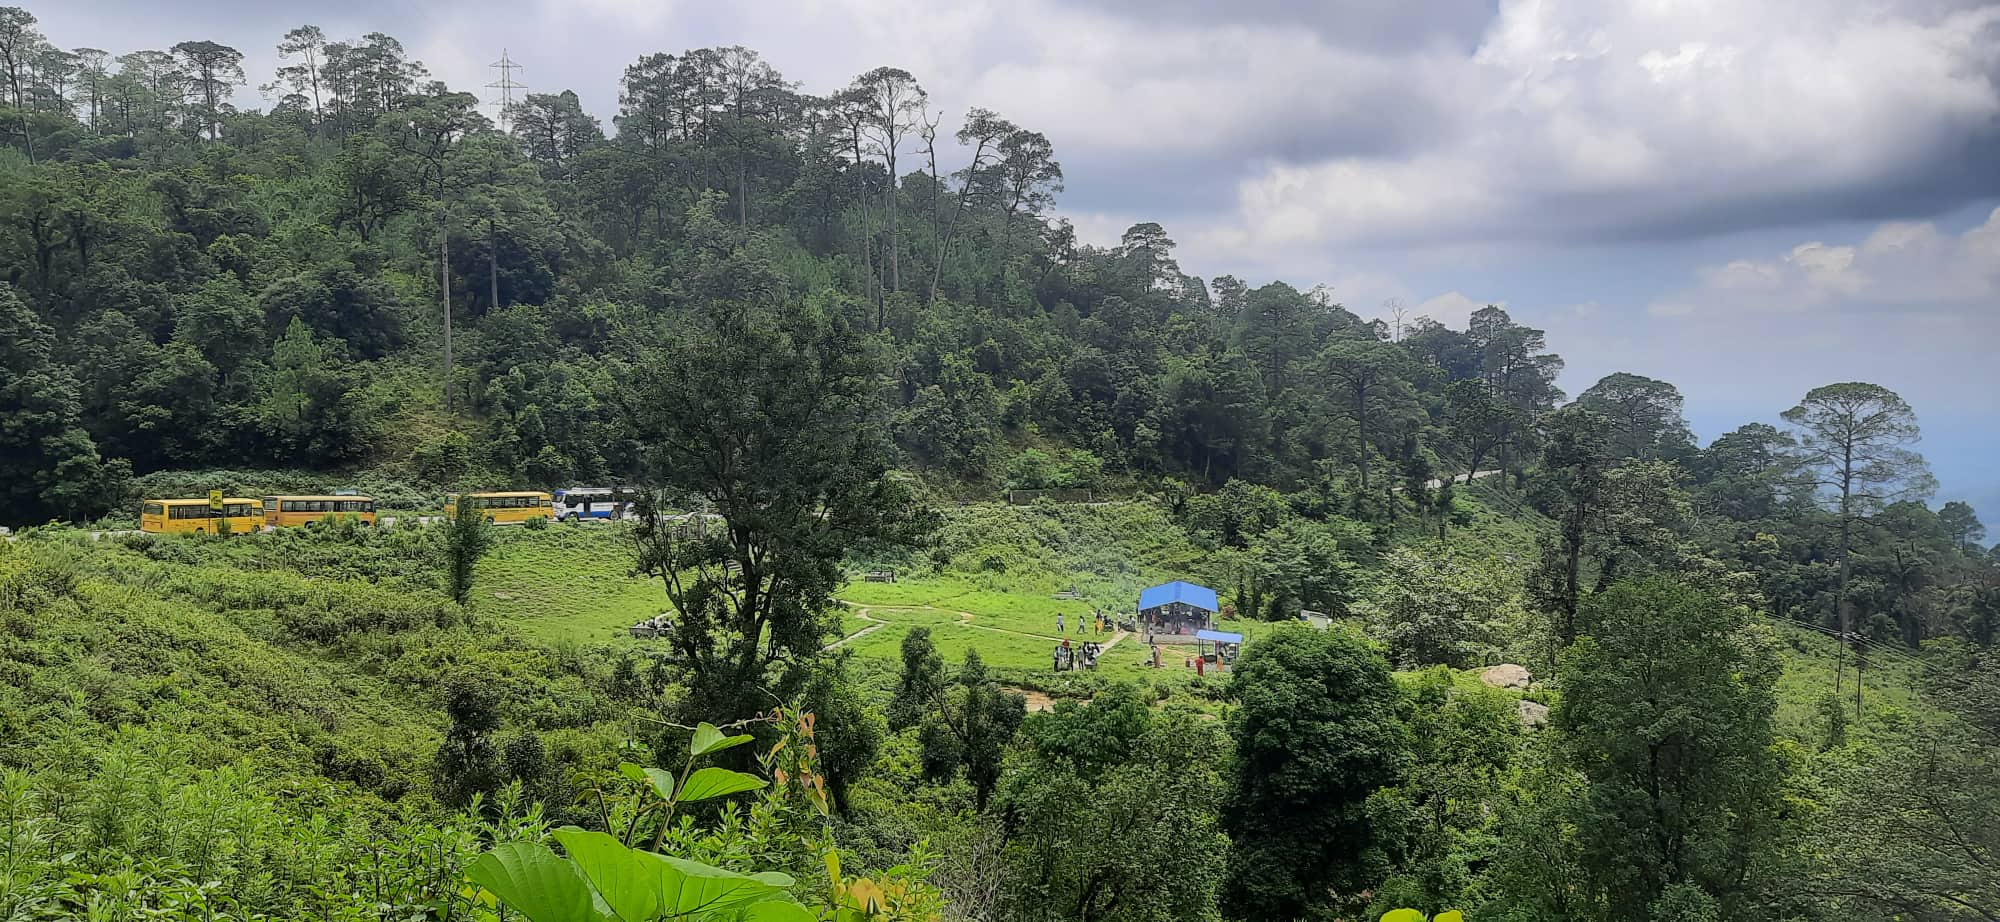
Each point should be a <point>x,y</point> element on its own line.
<point>1747,199</point>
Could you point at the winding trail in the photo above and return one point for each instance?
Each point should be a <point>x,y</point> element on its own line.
<point>874,624</point>
<point>965,619</point>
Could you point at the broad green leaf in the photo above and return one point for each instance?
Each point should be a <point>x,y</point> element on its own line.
<point>1402,915</point>
<point>530,879</point>
<point>628,880</point>
<point>778,879</point>
<point>717,782</point>
<point>1449,915</point>
<point>708,739</point>
<point>700,888</point>
<point>663,782</point>
<point>778,911</point>
<point>661,779</point>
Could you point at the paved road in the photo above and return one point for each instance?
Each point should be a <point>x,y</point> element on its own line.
<point>1435,483</point>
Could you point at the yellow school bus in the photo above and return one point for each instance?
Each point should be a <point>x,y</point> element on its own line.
<point>505,508</point>
<point>239,516</point>
<point>286,511</point>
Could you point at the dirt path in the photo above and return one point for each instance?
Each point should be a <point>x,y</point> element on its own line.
<point>874,624</point>
<point>1037,701</point>
<point>965,619</point>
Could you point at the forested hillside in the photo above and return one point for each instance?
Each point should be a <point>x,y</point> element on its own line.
<point>225,286</point>
<point>1759,679</point>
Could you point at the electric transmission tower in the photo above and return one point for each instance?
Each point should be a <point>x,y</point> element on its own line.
<point>506,86</point>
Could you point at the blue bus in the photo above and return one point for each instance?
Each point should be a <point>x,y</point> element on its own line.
<point>577,504</point>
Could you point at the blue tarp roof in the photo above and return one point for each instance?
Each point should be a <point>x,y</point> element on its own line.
<point>1218,636</point>
<point>1200,597</point>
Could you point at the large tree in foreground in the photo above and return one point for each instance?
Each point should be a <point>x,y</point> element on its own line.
<point>1148,847</point>
<point>762,405</point>
<point>1666,717</point>
<point>1317,733</point>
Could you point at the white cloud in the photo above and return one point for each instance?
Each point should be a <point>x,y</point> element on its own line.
<point>1590,117</point>
<point>1899,264</point>
<point>1452,309</point>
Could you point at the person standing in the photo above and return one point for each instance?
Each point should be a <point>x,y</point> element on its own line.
<point>1059,624</point>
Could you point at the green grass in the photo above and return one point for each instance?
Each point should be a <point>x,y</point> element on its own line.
<point>564,583</point>
<point>568,584</point>
<point>1887,686</point>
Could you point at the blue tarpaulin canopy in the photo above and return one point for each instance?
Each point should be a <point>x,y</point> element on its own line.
<point>1200,597</point>
<point>1218,636</point>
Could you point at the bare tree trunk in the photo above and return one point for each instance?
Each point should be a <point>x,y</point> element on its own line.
<point>895,232</point>
<point>950,231</point>
<point>27,134</point>
<point>867,231</point>
<point>492,265</point>
<point>742,189</point>
<point>312,68</point>
<point>1841,608</point>
<point>1361,430</point>
<point>444,301</point>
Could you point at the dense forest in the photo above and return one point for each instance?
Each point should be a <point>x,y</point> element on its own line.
<point>1765,666</point>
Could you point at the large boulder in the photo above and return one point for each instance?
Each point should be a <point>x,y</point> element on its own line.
<point>1533,715</point>
<point>1507,675</point>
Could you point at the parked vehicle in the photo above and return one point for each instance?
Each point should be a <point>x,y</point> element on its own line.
<point>505,508</point>
<point>577,504</point>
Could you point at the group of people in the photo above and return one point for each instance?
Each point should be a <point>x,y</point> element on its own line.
<point>1099,623</point>
<point>1081,656</point>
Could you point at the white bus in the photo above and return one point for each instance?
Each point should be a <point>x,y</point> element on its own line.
<point>577,504</point>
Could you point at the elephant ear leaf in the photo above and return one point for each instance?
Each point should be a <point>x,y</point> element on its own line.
<point>661,780</point>
<point>695,888</point>
<point>532,881</point>
<point>710,783</point>
<point>629,881</point>
<point>1449,915</point>
<point>778,911</point>
<point>708,739</point>
<point>1402,915</point>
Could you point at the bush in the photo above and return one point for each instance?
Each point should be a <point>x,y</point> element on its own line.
<point>443,459</point>
<point>388,492</point>
<point>1066,469</point>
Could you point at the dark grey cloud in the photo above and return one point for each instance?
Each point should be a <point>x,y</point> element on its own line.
<point>1941,181</point>
<point>1368,24</point>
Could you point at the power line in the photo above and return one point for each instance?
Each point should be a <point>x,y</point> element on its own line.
<point>1892,654</point>
<point>506,86</point>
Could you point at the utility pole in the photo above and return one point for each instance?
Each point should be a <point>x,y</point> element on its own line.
<point>1860,664</point>
<point>506,86</point>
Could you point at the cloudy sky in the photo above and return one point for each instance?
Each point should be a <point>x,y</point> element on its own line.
<point>1747,198</point>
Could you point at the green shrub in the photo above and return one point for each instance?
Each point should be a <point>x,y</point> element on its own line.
<point>443,459</point>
